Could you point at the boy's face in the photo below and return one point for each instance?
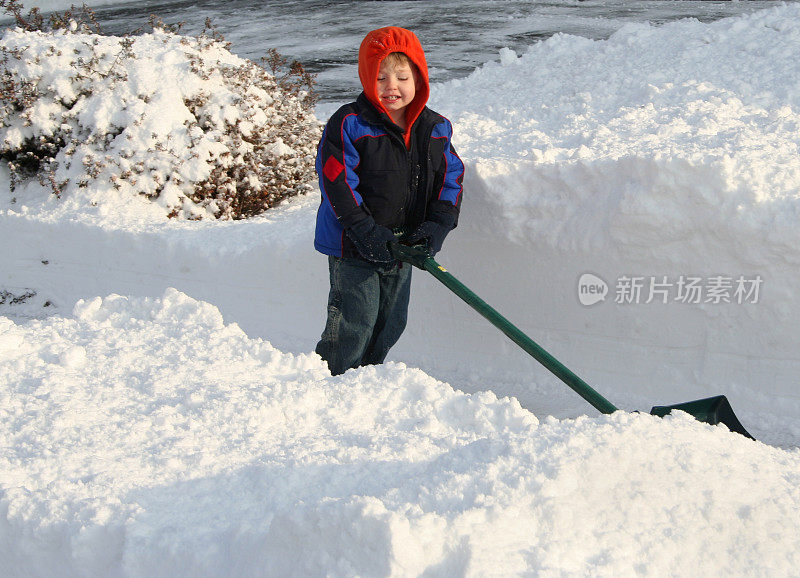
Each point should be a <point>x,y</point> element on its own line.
<point>396,85</point>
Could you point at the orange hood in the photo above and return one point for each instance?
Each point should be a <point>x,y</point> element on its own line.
<point>376,46</point>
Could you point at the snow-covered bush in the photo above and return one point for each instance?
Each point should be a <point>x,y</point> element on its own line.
<point>178,119</point>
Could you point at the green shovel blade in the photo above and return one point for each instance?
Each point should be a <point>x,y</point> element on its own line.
<point>712,410</point>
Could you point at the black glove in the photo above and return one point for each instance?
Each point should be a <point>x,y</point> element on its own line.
<point>432,232</point>
<point>372,240</point>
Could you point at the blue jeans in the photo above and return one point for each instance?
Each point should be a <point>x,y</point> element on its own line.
<point>367,312</point>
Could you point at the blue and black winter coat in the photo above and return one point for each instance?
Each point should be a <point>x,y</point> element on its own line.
<point>364,166</point>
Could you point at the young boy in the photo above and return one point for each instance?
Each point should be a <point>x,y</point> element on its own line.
<point>384,162</point>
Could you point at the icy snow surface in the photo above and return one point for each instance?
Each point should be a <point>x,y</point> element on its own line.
<point>155,432</point>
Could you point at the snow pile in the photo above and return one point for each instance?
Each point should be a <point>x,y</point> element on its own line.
<point>103,120</point>
<point>636,142</point>
<point>145,437</point>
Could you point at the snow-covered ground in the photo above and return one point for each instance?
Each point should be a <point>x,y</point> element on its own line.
<point>162,414</point>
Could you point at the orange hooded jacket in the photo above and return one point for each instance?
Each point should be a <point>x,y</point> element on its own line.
<point>376,46</point>
<point>366,174</point>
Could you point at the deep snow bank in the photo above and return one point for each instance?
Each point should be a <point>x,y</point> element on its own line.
<point>146,437</point>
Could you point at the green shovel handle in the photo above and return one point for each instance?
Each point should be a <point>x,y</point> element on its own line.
<point>419,257</point>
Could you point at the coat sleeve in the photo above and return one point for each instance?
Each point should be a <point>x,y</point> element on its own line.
<point>337,159</point>
<point>448,197</point>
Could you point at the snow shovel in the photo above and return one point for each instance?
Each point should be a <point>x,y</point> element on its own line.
<point>713,410</point>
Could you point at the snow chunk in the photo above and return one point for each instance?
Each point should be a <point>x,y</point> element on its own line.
<point>74,357</point>
<point>507,56</point>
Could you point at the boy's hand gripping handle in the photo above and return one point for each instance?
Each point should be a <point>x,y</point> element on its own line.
<point>417,256</point>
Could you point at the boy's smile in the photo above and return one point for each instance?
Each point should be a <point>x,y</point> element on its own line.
<point>396,89</point>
